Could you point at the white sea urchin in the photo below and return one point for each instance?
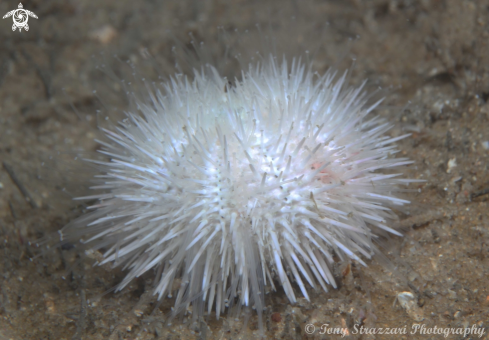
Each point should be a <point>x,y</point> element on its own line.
<point>224,189</point>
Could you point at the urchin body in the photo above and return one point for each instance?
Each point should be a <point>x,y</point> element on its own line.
<point>224,190</point>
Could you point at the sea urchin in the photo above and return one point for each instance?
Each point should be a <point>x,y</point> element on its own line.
<point>225,189</point>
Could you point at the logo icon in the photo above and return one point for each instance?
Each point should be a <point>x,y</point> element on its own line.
<point>20,16</point>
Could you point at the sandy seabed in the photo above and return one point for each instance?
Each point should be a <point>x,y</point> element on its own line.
<point>431,54</point>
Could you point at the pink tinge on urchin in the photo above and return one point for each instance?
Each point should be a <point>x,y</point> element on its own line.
<point>224,190</point>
